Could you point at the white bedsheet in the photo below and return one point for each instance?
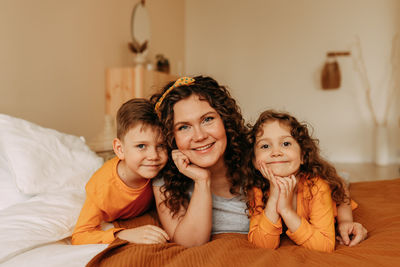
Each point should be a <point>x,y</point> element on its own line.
<point>56,254</point>
<point>43,173</point>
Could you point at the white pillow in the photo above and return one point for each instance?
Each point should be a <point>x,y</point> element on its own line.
<point>45,160</point>
<point>9,193</point>
<point>40,220</point>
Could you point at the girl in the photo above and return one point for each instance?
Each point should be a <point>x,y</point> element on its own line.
<point>292,183</point>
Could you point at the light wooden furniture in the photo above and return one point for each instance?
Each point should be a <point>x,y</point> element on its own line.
<point>123,84</point>
<point>362,172</point>
<point>106,155</point>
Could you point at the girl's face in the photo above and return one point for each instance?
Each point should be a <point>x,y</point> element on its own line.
<point>199,132</point>
<point>278,149</point>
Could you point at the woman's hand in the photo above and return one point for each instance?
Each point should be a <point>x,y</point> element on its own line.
<point>190,170</point>
<point>351,233</point>
<point>267,173</point>
<point>286,190</point>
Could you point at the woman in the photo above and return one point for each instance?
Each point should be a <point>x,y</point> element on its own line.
<point>201,193</point>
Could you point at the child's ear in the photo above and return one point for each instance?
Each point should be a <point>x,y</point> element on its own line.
<point>118,148</point>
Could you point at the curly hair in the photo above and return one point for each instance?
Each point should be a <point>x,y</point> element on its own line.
<point>313,164</point>
<point>176,186</point>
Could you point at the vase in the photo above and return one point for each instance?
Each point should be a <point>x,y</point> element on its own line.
<point>139,59</point>
<point>381,145</point>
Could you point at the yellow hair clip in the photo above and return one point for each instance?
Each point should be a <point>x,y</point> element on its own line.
<point>179,82</point>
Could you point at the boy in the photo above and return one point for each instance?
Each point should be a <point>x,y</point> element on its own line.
<point>121,188</point>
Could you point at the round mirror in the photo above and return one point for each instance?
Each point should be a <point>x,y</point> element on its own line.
<point>140,27</point>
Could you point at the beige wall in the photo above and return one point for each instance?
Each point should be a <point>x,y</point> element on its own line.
<point>270,52</point>
<point>54,54</point>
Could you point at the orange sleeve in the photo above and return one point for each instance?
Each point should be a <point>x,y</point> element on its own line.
<point>88,228</point>
<point>262,232</point>
<point>317,233</point>
<point>353,204</point>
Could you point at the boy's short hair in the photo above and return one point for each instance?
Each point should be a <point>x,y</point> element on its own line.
<point>133,112</point>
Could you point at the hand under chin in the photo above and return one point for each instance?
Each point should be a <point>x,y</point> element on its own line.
<point>281,172</point>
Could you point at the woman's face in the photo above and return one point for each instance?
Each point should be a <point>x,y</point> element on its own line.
<point>199,132</point>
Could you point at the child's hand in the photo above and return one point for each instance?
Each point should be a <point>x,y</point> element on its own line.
<point>267,173</point>
<point>351,233</point>
<point>192,171</point>
<point>147,234</point>
<point>286,189</point>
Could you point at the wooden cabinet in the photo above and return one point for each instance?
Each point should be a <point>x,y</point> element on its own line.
<point>123,84</point>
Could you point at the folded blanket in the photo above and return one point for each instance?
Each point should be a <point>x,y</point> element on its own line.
<point>379,212</point>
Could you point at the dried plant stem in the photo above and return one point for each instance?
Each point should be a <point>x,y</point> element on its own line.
<point>393,81</point>
<point>360,65</point>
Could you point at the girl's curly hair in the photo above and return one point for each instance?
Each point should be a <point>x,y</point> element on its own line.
<point>176,185</point>
<point>313,164</point>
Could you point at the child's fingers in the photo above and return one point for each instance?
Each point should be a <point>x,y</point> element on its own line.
<point>264,170</point>
<point>290,182</point>
<point>154,238</point>
<point>272,177</point>
<point>279,184</point>
<point>294,180</point>
<point>154,235</point>
<point>356,239</point>
<point>273,180</point>
<point>359,234</point>
<point>286,183</point>
<point>267,173</point>
<point>344,234</point>
<point>340,240</point>
<point>160,231</point>
<point>282,187</point>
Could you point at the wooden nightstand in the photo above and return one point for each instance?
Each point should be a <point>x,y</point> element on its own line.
<point>106,155</point>
<point>102,143</point>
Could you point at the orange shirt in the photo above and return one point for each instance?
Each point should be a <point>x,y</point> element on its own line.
<point>108,198</point>
<point>317,229</point>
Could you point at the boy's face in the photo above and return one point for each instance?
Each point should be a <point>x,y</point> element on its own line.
<point>143,151</point>
<point>277,147</point>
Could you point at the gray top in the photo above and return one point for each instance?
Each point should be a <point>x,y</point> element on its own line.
<point>228,215</point>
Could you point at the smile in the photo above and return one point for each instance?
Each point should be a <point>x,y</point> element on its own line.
<point>151,166</point>
<point>203,147</point>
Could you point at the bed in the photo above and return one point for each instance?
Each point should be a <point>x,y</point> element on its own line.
<point>42,178</point>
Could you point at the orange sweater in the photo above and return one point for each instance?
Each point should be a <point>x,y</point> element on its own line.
<point>108,198</point>
<point>316,231</point>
